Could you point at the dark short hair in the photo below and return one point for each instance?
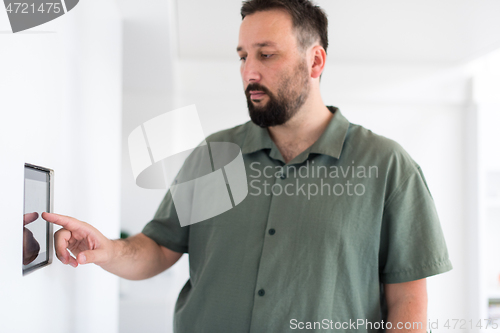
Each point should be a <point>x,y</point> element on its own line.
<point>309,20</point>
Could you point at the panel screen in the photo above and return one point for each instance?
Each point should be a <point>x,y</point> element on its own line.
<point>37,233</point>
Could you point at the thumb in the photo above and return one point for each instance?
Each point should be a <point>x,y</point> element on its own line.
<point>92,257</point>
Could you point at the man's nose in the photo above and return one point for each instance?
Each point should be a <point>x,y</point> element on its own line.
<point>250,71</point>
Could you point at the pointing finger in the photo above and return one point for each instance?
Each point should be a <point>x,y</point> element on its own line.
<point>67,222</point>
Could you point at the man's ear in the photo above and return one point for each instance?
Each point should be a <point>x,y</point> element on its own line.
<point>319,59</point>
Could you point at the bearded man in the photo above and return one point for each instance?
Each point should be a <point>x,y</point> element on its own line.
<point>351,254</point>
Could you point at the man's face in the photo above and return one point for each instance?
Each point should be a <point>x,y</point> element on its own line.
<point>274,71</point>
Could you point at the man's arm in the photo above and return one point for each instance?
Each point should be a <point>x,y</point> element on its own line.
<point>139,257</point>
<point>134,258</point>
<point>407,304</point>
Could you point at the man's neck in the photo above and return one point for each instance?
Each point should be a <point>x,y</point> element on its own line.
<point>300,132</point>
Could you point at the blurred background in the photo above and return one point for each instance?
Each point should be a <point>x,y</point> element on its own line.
<point>425,73</point>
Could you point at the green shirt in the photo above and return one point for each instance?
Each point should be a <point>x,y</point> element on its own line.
<point>308,247</point>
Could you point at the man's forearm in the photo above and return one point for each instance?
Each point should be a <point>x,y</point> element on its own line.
<point>408,315</point>
<point>136,258</point>
<point>407,306</point>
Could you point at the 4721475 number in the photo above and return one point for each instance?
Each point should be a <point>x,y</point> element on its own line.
<point>26,8</point>
<point>463,324</point>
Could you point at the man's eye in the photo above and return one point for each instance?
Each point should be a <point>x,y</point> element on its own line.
<point>242,58</point>
<point>266,56</point>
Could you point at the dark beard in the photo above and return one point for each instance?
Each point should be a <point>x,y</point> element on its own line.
<point>281,108</point>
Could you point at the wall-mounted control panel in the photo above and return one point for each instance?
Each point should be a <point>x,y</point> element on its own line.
<point>37,233</point>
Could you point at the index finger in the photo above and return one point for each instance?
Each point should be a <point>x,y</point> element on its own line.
<point>67,222</point>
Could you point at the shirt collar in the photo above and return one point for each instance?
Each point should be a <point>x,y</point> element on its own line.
<point>257,138</point>
<point>332,140</point>
<point>329,143</point>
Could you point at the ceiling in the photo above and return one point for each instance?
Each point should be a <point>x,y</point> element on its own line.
<point>422,31</point>
<point>414,32</point>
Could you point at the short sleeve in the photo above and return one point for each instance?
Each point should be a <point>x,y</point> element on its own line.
<point>165,228</point>
<point>412,242</point>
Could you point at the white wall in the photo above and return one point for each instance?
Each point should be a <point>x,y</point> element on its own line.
<point>486,84</point>
<point>149,89</point>
<point>60,107</point>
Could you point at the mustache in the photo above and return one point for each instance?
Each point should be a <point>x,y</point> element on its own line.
<point>258,87</point>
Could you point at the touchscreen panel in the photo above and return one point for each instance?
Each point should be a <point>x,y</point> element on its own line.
<point>37,233</point>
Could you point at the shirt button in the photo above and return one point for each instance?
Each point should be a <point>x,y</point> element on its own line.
<point>272,231</point>
<point>283,175</point>
<point>261,292</point>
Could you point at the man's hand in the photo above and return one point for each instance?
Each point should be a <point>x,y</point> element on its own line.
<point>83,240</point>
<point>135,258</point>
